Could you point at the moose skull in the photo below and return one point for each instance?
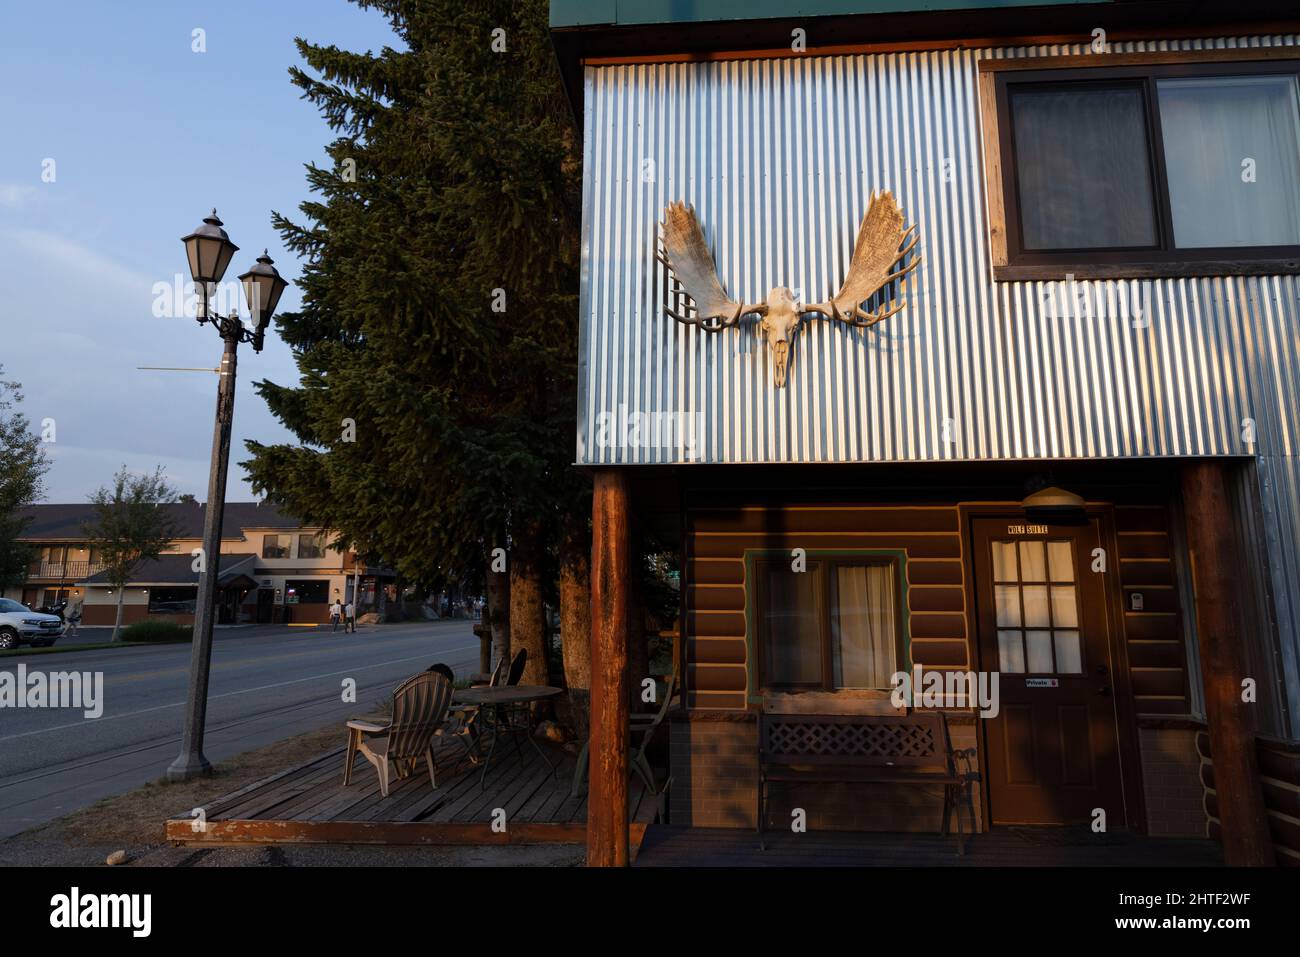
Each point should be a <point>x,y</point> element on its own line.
<point>780,320</point>
<point>880,256</point>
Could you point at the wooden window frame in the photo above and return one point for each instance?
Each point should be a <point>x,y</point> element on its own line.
<point>826,563</point>
<point>1011,263</point>
<point>288,546</point>
<point>311,536</point>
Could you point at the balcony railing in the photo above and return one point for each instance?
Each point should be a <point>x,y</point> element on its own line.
<point>64,571</point>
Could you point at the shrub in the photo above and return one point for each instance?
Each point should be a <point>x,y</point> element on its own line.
<point>157,631</point>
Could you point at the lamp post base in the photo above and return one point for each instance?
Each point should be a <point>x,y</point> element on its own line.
<point>187,767</point>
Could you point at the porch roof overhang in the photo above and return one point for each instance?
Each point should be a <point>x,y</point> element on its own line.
<point>170,570</point>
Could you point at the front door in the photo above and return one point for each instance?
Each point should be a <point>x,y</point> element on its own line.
<point>265,605</point>
<point>1052,752</point>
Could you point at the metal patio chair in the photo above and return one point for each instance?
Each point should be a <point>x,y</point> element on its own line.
<point>645,725</point>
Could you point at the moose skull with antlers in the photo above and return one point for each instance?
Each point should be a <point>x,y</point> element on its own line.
<point>877,261</point>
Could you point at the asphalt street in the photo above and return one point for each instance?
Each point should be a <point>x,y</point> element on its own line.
<point>267,683</point>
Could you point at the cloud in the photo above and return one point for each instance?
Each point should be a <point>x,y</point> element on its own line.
<point>73,258</point>
<point>15,195</point>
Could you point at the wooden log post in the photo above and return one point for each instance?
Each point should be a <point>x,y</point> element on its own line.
<point>1243,821</point>
<point>607,797</point>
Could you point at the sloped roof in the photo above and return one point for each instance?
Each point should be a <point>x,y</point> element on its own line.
<point>52,523</point>
<point>179,570</point>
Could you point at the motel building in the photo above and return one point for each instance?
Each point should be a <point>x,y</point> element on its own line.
<point>971,348</point>
<point>272,569</point>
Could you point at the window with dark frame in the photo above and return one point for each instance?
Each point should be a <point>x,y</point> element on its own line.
<point>1167,168</point>
<point>311,545</point>
<point>275,546</point>
<point>308,591</point>
<point>835,626</point>
<point>180,600</point>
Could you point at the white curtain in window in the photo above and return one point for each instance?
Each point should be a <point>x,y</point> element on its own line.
<point>1232,152</point>
<point>863,629</point>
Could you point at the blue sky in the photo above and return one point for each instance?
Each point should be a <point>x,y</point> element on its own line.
<point>146,136</point>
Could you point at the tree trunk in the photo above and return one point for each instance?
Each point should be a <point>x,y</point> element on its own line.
<point>498,612</point>
<point>117,625</point>
<point>575,622</point>
<point>527,615</point>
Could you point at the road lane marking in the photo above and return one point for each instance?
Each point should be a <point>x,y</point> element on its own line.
<point>227,694</point>
<point>241,662</point>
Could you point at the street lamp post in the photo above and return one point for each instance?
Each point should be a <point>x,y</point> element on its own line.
<point>209,251</point>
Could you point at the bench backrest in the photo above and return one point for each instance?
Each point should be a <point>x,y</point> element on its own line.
<point>916,740</point>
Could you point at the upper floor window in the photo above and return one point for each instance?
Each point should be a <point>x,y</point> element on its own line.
<point>1120,169</point>
<point>836,625</point>
<point>311,546</point>
<point>275,546</point>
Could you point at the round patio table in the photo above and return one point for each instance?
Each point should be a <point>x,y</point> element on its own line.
<point>492,700</point>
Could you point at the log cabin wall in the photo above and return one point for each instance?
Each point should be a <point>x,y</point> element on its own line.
<point>714,739</point>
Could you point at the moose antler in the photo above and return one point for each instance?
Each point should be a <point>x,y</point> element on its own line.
<point>686,255</point>
<point>875,254</point>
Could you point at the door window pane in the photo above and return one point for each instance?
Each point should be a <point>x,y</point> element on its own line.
<point>1004,561</point>
<point>1065,607</point>
<point>1232,153</point>
<point>1011,652</point>
<point>863,628</point>
<point>1036,614</point>
<point>1060,561</point>
<point>1008,602</point>
<point>1069,659</point>
<point>1033,563</point>
<point>1039,645</point>
<point>1083,168</point>
<point>791,625</point>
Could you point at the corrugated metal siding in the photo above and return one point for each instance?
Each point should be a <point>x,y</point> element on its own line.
<point>779,157</point>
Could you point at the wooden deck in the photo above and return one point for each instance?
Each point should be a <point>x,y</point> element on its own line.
<point>309,804</point>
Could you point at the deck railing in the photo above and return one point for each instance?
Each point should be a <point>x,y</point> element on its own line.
<point>67,571</point>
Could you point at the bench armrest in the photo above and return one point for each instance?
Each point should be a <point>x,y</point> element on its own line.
<point>372,727</point>
<point>964,758</point>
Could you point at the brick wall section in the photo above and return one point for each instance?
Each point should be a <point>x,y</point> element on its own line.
<point>715,773</point>
<point>715,784</point>
<point>1171,771</point>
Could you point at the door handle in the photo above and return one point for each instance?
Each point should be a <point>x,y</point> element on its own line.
<point>1104,691</point>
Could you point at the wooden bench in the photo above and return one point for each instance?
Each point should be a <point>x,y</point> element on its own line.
<point>866,749</point>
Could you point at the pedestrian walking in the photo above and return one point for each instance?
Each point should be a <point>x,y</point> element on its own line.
<point>72,616</point>
<point>350,617</point>
<point>336,610</point>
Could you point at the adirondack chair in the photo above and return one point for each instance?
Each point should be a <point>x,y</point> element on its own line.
<point>497,677</point>
<point>644,725</point>
<point>419,710</point>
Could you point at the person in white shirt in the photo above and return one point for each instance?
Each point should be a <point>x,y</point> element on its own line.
<point>335,611</point>
<point>350,618</point>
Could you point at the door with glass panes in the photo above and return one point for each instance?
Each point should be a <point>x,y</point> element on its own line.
<point>1052,752</point>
